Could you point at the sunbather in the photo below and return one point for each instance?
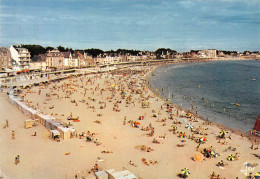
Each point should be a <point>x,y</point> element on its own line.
<point>145,162</point>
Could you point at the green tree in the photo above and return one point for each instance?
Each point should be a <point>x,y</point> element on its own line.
<point>49,48</point>
<point>35,49</point>
<point>164,51</point>
<point>61,49</point>
<point>94,52</point>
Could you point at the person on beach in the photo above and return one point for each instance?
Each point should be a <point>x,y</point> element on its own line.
<point>197,148</point>
<point>96,168</point>
<point>236,156</point>
<point>17,160</point>
<point>124,120</point>
<point>229,137</point>
<point>131,163</point>
<point>6,123</point>
<point>13,135</point>
<point>213,175</point>
<point>250,176</point>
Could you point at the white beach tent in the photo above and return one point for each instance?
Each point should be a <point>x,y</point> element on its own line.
<point>55,133</point>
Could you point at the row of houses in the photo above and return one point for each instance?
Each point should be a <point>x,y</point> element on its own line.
<point>17,57</point>
<point>212,53</point>
<point>63,60</point>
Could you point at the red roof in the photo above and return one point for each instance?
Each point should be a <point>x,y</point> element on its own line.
<point>257,124</point>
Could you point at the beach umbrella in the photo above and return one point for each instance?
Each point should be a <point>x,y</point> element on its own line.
<point>188,115</point>
<point>185,172</point>
<point>222,133</point>
<point>182,135</point>
<point>189,126</point>
<point>212,152</point>
<point>141,117</point>
<point>257,175</point>
<point>203,139</point>
<point>231,157</point>
<point>198,157</point>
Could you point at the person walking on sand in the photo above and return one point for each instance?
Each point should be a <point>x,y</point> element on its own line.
<point>17,160</point>
<point>124,120</point>
<point>213,175</point>
<point>197,148</point>
<point>13,135</point>
<point>6,123</point>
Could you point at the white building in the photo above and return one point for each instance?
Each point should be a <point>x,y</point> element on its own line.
<point>210,53</point>
<point>21,57</point>
<point>112,60</point>
<point>38,65</point>
<point>77,59</point>
<point>133,58</point>
<point>66,59</point>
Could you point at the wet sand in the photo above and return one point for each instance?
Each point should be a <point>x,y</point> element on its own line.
<point>42,157</point>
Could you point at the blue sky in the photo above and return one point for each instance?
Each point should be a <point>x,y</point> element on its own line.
<point>181,25</point>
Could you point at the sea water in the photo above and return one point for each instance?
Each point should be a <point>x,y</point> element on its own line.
<point>226,92</point>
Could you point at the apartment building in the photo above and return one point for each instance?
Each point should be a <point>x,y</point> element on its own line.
<point>21,57</point>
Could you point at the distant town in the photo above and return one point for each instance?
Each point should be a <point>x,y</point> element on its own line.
<point>35,57</point>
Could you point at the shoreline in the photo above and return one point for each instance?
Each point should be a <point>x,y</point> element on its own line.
<point>219,125</point>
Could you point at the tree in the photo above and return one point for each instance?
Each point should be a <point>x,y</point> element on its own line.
<point>126,51</point>
<point>61,49</point>
<point>110,51</point>
<point>49,48</point>
<point>94,52</point>
<point>69,50</point>
<point>35,49</point>
<point>164,51</point>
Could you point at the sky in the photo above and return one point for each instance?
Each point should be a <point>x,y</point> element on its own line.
<point>181,25</point>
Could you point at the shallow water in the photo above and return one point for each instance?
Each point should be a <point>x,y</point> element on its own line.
<point>227,92</point>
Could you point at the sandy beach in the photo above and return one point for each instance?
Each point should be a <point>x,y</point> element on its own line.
<point>120,114</point>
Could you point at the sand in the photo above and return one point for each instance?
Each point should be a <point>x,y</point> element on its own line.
<point>42,157</point>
